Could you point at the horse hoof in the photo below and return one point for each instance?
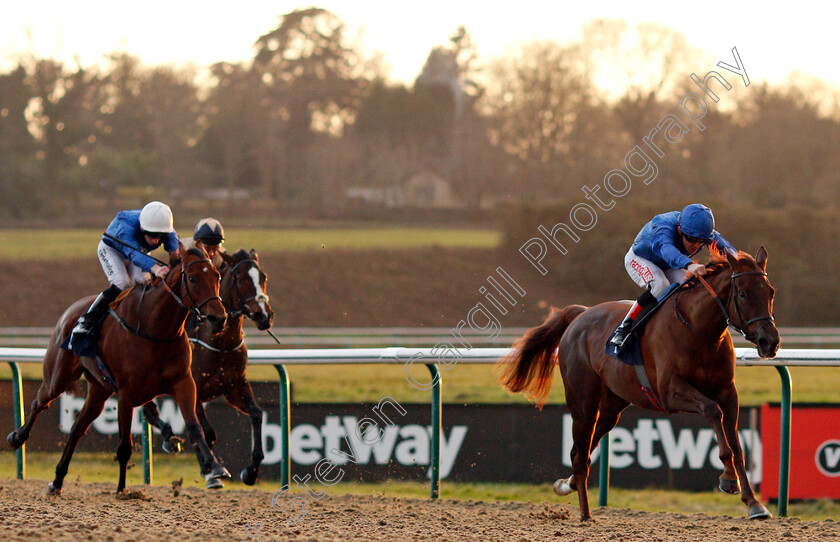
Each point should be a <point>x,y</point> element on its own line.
<point>217,472</point>
<point>215,483</point>
<point>731,487</point>
<point>759,512</point>
<point>563,487</point>
<point>172,446</point>
<point>14,441</point>
<point>51,490</point>
<point>248,477</point>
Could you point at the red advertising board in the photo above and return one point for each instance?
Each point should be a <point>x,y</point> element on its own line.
<point>814,451</point>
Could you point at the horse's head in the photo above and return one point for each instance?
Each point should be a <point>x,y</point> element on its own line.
<point>751,301</point>
<point>199,285</point>
<point>243,288</point>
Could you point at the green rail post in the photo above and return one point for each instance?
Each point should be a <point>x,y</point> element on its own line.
<point>146,438</point>
<point>17,397</point>
<point>784,446</point>
<point>286,467</point>
<point>436,429</point>
<point>604,471</point>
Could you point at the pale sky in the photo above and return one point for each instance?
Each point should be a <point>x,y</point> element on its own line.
<point>773,39</point>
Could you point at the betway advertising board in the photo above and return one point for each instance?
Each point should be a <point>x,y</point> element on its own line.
<point>814,451</point>
<point>371,442</point>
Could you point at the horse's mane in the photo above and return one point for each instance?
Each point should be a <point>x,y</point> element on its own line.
<point>241,255</point>
<point>719,262</point>
<point>175,257</point>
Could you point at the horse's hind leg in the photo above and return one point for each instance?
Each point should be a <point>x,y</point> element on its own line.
<point>242,397</point>
<point>125,411</point>
<point>610,410</point>
<point>611,407</point>
<point>96,397</point>
<point>171,444</point>
<point>210,439</point>
<point>55,383</point>
<point>729,403</point>
<point>583,398</point>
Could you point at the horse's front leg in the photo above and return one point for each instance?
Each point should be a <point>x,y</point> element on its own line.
<point>242,397</point>
<point>728,401</point>
<point>184,393</point>
<point>681,396</point>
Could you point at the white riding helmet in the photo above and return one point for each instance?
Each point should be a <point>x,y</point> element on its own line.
<point>156,217</point>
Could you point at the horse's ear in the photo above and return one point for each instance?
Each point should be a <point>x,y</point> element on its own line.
<point>761,258</point>
<point>227,258</point>
<point>733,258</point>
<point>179,256</point>
<point>254,256</point>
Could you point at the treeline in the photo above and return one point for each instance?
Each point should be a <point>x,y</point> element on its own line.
<point>311,116</point>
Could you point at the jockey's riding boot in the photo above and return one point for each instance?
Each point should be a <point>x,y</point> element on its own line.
<point>623,329</point>
<point>90,320</point>
<point>645,301</point>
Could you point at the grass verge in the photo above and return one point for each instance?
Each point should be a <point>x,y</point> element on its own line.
<point>470,384</point>
<point>34,245</point>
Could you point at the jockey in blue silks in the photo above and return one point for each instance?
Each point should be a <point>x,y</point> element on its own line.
<point>661,255</point>
<point>123,253</point>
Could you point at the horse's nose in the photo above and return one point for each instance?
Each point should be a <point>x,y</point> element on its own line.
<point>767,348</point>
<point>263,320</point>
<point>216,322</point>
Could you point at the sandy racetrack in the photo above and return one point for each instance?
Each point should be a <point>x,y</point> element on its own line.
<point>93,512</point>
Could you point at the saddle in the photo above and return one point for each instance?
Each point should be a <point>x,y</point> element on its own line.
<point>86,348</point>
<point>122,295</point>
<point>632,352</point>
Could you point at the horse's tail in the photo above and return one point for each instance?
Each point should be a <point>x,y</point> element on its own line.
<point>530,367</point>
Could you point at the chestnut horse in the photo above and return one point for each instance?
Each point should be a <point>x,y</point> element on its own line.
<point>220,360</point>
<point>688,356</point>
<point>146,349</point>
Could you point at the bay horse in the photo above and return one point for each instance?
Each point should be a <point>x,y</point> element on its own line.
<point>220,359</point>
<point>688,356</point>
<point>144,346</point>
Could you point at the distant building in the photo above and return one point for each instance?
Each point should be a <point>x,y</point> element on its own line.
<point>423,189</point>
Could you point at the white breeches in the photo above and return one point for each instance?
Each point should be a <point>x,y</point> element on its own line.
<point>121,272</point>
<point>646,273</point>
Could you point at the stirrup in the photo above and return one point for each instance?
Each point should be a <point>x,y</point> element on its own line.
<point>619,336</point>
<point>82,327</point>
<point>618,341</point>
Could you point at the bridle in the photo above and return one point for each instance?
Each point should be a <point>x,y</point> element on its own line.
<point>194,308</point>
<point>751,337</point>
<point>243,309</point>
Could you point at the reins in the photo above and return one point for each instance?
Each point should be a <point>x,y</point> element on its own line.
<point>726,315</point>
<point>194,308</point>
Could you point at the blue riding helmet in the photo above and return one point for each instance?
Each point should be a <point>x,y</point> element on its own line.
<point>697,220</point>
